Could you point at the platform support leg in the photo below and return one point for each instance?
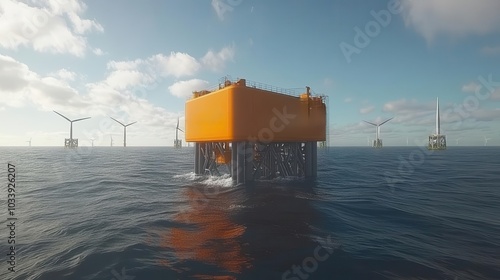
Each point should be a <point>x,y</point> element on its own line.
<point>311,154</point>
<point>249,158</point>
<point>199,160</point>
<point>240,162</point>
<point>234,160</point>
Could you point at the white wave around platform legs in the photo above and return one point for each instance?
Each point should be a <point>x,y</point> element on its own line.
<point>224,180</point>
<point>190,176</point>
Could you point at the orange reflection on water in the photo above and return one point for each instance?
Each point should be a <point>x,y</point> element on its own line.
<point>207,235</point>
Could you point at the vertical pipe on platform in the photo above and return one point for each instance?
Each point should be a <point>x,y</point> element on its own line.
<point>309,160</point>
<point>240,162</point>
<point>197,158</point>
<point>234,159</point>
<point>271,163</point>
<point>314,159</point>
<point>249,158</point>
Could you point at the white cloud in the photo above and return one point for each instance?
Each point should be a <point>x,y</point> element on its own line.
<point>221,7</point>
<point>475,88</point>
<point>44,26</point>
<point>81,26</point>
<point>367,110</point>
<point>486,114</point>
<point>184,89</point>
<point>455,18</point>
<point>177,64</point>
<point>471,87</point>
<point>124,65</point>
<point>216,61</point>
<point>403,105</point>
<point>64,74</point>
<point>142,72</point>
<point>98,51</point>
<point>412,111</point>
<point>21,87</point>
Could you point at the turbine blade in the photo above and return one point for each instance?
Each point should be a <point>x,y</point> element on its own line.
<point>117,121</point>
<point>80,119</point>
<point>386,121</point>
<point>180,129</point>
<point>62,116</point>
<point>130,124</point>
<point>370,123</point>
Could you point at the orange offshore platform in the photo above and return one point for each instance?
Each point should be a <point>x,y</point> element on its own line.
<point>255,131</point>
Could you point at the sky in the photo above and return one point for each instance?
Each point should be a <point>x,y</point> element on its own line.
<point>141,60</point>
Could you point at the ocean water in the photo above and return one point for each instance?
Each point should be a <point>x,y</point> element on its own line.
<point>140,213</point>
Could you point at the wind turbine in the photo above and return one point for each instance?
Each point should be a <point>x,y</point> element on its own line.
<point>437,141</point>
<point>92,140</point>
<point>486,140</point>
<point>177,142</point>
<point>377,143</point>
<point>124,131</point>
<point>70,143</point>
<point>111,140</point>
<point>458,139</point>
<point>29,142</point>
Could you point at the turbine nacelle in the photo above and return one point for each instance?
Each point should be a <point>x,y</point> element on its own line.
<point>377,126</point>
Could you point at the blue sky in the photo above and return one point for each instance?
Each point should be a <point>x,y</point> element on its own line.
<point>140,61</point>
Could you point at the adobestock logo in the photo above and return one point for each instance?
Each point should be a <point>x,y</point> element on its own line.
<point>362,38</point>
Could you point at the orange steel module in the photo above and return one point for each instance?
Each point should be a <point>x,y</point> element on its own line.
<point>237,112</point>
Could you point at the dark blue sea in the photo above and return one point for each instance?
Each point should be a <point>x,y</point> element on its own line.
<point>140,213</point>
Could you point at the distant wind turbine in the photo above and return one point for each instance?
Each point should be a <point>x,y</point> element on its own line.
<point>486,140</point>
<point>437,141</point>
<point>71,127</point>
<point>111,140</point>
<point>177,142</point>
<point>458,139</point>
<point>124,130</point>
<point>92,140</point>
<point>29,142</point>
<point>378,142</point>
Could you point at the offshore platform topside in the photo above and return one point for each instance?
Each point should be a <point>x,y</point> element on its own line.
<point>253,131</point>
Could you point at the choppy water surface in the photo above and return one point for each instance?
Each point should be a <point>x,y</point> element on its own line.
<point>140,213</point>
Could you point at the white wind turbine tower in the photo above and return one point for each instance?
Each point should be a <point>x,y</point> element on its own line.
<point>377,143</point>
<point>29,142</point>
<point>111,140</point>
<point>486,140</point>
<point>437,141</point>
<point>92,140</point>
<point>177,141</point>
<point>71,143</point>
<point>124,130</point>
<point>458,140</point>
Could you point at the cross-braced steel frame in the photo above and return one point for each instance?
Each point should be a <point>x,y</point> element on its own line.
<point>249,161</point>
